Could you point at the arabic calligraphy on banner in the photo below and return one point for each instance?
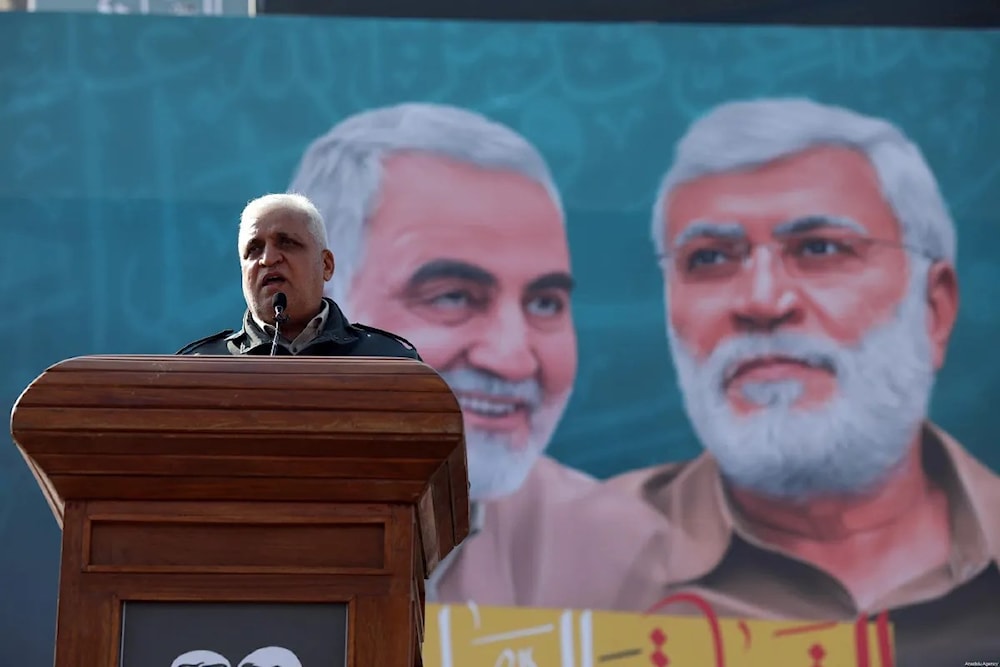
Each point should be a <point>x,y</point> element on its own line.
<point>473,636</point>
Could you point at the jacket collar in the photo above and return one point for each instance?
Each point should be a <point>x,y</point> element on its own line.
<point>311,330</point>
<point>336,330</point>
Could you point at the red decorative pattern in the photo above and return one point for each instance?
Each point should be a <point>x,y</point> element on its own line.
<point>658,657</point>
<point>817,653</point>
<point>709,616</point>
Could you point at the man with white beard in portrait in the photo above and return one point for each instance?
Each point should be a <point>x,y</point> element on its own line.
<point>808,261</point>
<point>449,230</point>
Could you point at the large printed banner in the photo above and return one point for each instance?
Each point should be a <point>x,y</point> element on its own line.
<point>719,304</point>
<point>504,637</point>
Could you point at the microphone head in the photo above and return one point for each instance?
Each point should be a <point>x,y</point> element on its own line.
<point>280,301</point>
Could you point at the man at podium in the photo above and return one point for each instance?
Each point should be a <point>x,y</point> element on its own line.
<point>285,261</point>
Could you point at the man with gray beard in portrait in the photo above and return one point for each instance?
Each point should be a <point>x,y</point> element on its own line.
<point>808,261</point>
<point>450,231</point>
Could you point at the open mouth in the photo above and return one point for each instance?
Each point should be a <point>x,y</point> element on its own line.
<point>272,279</point>
<point>776,365</point>
<point>490,407</point>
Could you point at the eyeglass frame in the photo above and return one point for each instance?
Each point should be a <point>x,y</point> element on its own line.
<point>788,231</point>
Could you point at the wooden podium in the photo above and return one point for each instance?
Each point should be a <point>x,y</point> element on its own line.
<point>219,505</point>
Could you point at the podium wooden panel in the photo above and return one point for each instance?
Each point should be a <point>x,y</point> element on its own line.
<point>245,479</point>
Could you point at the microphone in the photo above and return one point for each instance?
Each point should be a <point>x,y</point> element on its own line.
<point>280,302</point>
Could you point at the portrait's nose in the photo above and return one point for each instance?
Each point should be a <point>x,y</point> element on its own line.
<point>505,347</point>
<point>766,297</point>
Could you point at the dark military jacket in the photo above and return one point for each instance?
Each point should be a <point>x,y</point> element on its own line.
<point>338,338</point>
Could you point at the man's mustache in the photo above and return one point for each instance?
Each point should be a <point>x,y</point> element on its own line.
<point>729,357</point>
<point>489,385</point>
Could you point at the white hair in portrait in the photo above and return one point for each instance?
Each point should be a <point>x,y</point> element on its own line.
<point>884,382</point>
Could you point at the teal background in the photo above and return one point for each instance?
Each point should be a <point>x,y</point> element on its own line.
<point>128,146</point>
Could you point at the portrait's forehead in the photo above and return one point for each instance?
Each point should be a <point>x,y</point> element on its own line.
<point>463,237</point>
<point>426,190</point>
<point>829,182</point>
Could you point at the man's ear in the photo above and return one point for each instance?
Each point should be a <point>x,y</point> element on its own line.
<point>942,308</point>
<point>328,265</point>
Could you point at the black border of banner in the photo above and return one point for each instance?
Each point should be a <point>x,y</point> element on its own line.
<point>887,13</point>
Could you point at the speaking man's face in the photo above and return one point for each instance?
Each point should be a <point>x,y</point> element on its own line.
<point>799,323</point>
<point>278,254</point>
<point>472,266</point>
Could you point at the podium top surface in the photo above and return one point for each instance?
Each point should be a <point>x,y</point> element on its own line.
<point>324,429</point>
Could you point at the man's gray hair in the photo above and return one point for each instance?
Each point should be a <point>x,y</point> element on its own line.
<point>341,171</point>
<point>744,134</point>
<point>291,203</point>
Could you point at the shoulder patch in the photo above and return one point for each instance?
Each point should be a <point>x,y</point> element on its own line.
<point>365,327</point>
<point>201,341</point>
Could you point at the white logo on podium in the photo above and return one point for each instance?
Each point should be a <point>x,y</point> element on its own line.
<point>268,656</point>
